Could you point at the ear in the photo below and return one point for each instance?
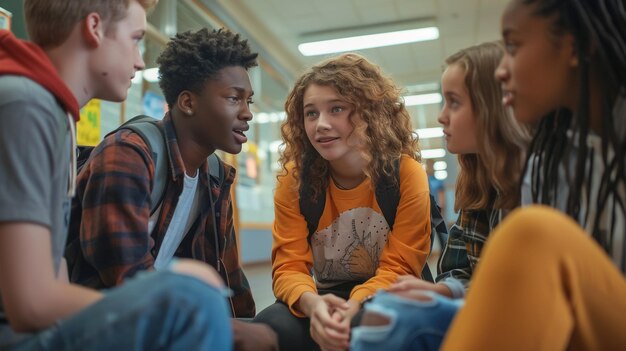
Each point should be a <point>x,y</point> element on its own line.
<point>570,43</point>
<point>186,102</point>
<point>93,30</point>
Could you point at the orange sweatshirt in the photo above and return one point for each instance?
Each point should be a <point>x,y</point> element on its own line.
<point>353,242</point>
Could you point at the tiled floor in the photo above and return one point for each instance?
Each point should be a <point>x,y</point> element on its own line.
<point>260,279</point>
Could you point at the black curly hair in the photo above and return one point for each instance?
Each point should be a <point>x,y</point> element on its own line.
<point>191,58</point>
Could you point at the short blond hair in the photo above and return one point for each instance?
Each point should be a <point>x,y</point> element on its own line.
<point>50,22</point>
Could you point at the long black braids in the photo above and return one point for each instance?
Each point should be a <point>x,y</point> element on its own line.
<point>599,30</point>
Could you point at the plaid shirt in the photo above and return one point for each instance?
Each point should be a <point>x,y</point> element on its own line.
<point>109,240</point>
<point>465,243</point>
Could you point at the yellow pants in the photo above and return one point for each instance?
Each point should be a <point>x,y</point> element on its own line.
<point>542,284</point>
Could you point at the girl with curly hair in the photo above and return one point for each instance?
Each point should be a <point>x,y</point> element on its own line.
<point>346,129</point>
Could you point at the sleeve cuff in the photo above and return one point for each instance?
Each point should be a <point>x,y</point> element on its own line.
<point>297,292</point>
<point>455,286</point>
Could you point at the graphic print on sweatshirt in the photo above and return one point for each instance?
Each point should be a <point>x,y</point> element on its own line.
<point>349,249</point>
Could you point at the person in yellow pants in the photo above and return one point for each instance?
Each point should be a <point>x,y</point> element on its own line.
<point>543,284</point>
<point>547,281</point>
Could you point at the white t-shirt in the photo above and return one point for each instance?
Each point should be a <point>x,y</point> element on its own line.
<point>185,214</point>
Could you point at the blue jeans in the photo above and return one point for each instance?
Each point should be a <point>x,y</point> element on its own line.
<point>414,325</point>
<point>154,311</point>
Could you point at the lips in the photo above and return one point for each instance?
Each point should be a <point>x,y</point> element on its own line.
<point>240,137</point>
<point>324,140</point>
<point>507,97</point>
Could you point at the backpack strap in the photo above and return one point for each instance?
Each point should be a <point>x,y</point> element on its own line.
<point>216,169</point>
<point>149,130</point>
<point>310,208</point>
<point>388,194</point>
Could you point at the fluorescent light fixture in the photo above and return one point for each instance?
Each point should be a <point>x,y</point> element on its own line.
<point>422,99</point>
<point>441,175</point>
<point>433,153</point>
<point>368,41</point>
<point>440,165</point>
<point>271,117</point>
<point>138,78</point>
<point>151,74</point>
<point>423,87</point>
<point>429,133</point>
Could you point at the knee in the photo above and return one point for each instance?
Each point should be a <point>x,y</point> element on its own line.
<point>536,228</point>
<point>278,317</point>
<point>177,291</point>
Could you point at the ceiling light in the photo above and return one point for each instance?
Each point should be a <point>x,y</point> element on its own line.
<point>271,117</point>
<point>440,166</point>
<point>441,175</point>
<point>368,41</point>
<point>422,99</point>
<point>151,74</point>
<point>433,153</point>
<point>429,133</point>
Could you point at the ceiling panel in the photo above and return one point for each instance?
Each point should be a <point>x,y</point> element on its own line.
<point>461,22</point>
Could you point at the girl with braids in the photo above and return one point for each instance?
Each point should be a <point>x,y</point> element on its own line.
<point>346,129</point>
<point>543,282</point>
<point>491,147</point>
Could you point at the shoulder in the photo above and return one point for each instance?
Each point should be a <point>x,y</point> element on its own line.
<point>22,89</point>
<point>413,178</point>
<point>27,108</point>
<point>28,98</point>
<point>409,167</point>
<point>286,182</point>
<point>123,146</point>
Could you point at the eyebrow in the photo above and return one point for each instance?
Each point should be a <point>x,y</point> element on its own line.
<point>507,31</point>
<point>451,94</point>
<point>241,90</point>
<point>328,102</point>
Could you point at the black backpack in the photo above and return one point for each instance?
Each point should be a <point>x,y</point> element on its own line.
<point>150,131</point>
<point>388,197</point>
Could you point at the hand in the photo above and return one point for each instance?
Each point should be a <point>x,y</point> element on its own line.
<point>253,337</point>
<point>198,270</point>
<point>330,322</point>
<point>411,287</point>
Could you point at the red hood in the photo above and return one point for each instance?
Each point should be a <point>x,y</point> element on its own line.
<point>26,59</point>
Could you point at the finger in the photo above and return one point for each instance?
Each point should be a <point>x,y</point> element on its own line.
<point>325,340</point>
<point>416,295</point>
<point>335,301</point>
<point>399,286</point>
<point>402,278</point>
<point>326,320</point>
<point>337,340</point>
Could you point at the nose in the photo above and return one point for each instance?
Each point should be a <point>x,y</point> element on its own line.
<point>139,64</point>
<point>323,121</point>
<point>443,116</point>
<point>502,72</point>
<point>246,114</point>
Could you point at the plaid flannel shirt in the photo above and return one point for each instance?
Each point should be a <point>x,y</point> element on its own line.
<point>109,239</point>
<point>462,252</point>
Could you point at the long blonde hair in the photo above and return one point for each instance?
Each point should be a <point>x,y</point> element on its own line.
<point>384,127</point>
<point>489,178</point>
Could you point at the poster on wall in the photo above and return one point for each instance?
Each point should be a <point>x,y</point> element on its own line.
<point>88,128</point>
<point>154,105</point>
<point>5,19</point>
